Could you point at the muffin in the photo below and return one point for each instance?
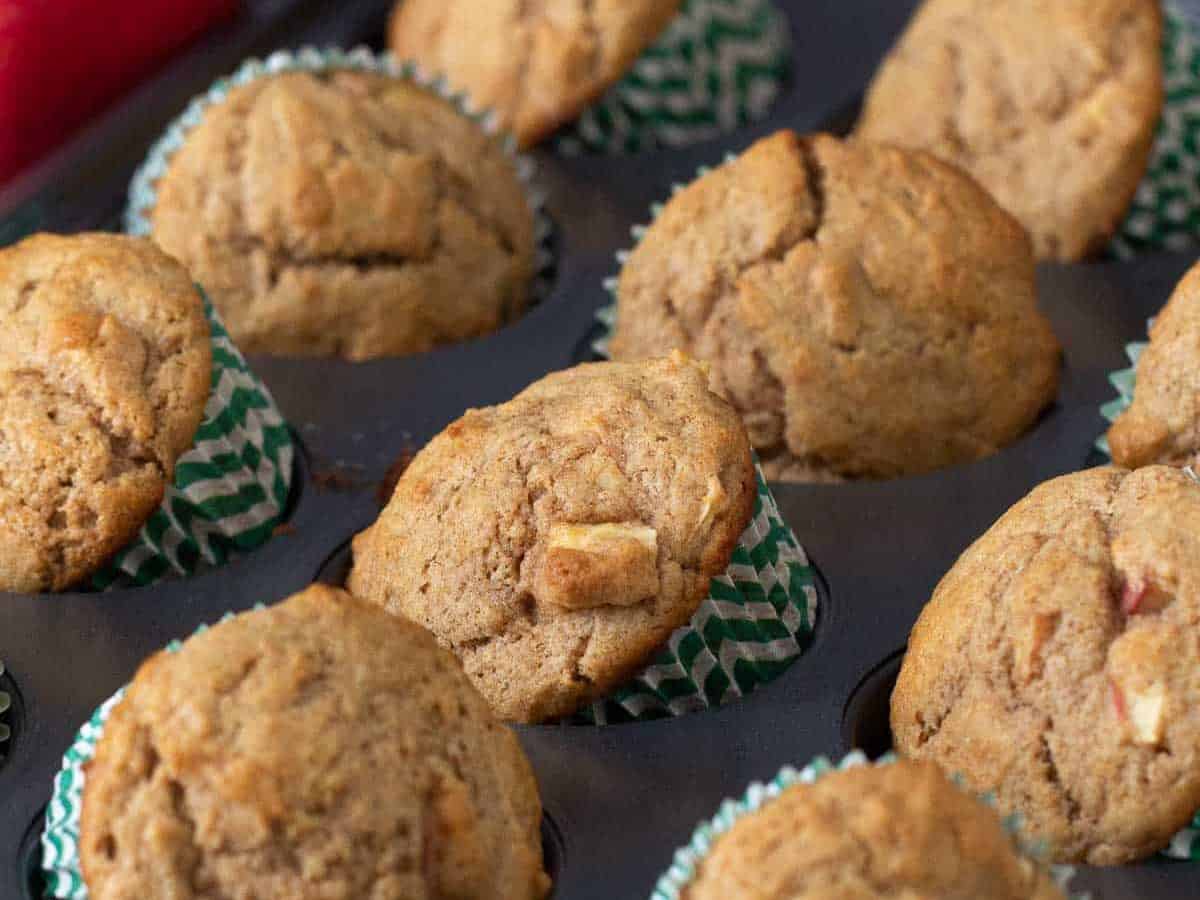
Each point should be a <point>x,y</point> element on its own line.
<point>105,364</point>
<point>345,212</point>
<point>554,542</point>
<point>870,311</point>
<point>1050,104</point>
<point>1162,424</point>
<point>316,748</point>
<point>1058,664</point>
<point>537,67</point>
<point>900,829</point>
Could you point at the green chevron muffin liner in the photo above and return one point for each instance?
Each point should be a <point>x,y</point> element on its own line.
<point>757,620</point>
<point>1185,844</point>
<point>230,489</point>
<point>142,193</point>
<point>1165,213</point>
<point>687,859</point>
<point>1123,381</point>
<point>60,835</point>
<point>719,65</point>
<point>60,839</point>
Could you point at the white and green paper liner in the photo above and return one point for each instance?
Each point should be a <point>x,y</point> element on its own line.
<point>230,488</point>
<point>142,189</point>
<point>60,835</point>
<point>1165,213</point>
<point>718,66</point>
<point>1123,381</point>
<point>756,621</point>
<point>688,858</point>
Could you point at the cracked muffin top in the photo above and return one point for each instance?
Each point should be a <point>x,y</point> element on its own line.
<point>319,748</point>
<point>555,541</point>
<point>898,830</point>
<point>1162,424</point>
<point>105,364</point>
<point>537,65</point>
<point>1050,104</point>
<point>347,214</point>
<point>1058,664</point>
<point>869,311</point>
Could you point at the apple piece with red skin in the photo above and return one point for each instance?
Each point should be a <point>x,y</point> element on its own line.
<point>1142,595</point>
<point>1141,713</point>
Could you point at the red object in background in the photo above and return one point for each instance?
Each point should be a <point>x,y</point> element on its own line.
<point>63,61</point>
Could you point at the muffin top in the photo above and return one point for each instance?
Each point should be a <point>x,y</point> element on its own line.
<point>1162,424</point>
<point>869,311</point>
<point>538,66</point>
<point>555,541</point>
<point>1051,104</point>
<point>347,213</point>
<point>319,748</point>
<point>1058,664</point>
<point>105,366</point>
<point>899,830</point>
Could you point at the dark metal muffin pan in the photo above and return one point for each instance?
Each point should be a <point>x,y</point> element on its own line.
<point>618,799</point>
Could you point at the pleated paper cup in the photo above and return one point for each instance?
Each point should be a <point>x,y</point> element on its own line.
<point>230,488</point>
<point>718,66</point>
<point>1165,213</point>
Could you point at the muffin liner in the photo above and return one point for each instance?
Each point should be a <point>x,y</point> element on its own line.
<point>1123,381</point>
<point>230,489</point>
<point>687,859</point>
<point>142,194</point>
<point>1165,213</point>
<point>1185,844</point>
<point>719,65</point>
<point>757,620</point>
<point>60,835</point>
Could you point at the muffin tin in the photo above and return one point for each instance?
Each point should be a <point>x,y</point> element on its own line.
<point>618,799</point>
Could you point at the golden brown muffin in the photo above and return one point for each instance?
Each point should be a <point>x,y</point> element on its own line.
<point>1058,664</point>
<point>1162,424</point>
<point>554,542</point>
<point>319,748</point>
<point>1051,104</point>
<point>538,66</point>
<point>347,213</point>
<point>105,363</point>
<point>899,830</point>
<point>869,311</point>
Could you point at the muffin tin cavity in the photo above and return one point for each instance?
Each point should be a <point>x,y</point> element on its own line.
<point>29,861</point>
<point>336,569</point>
<point>9,713</point>
<point>554,852</point>
<point>865,720</point>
